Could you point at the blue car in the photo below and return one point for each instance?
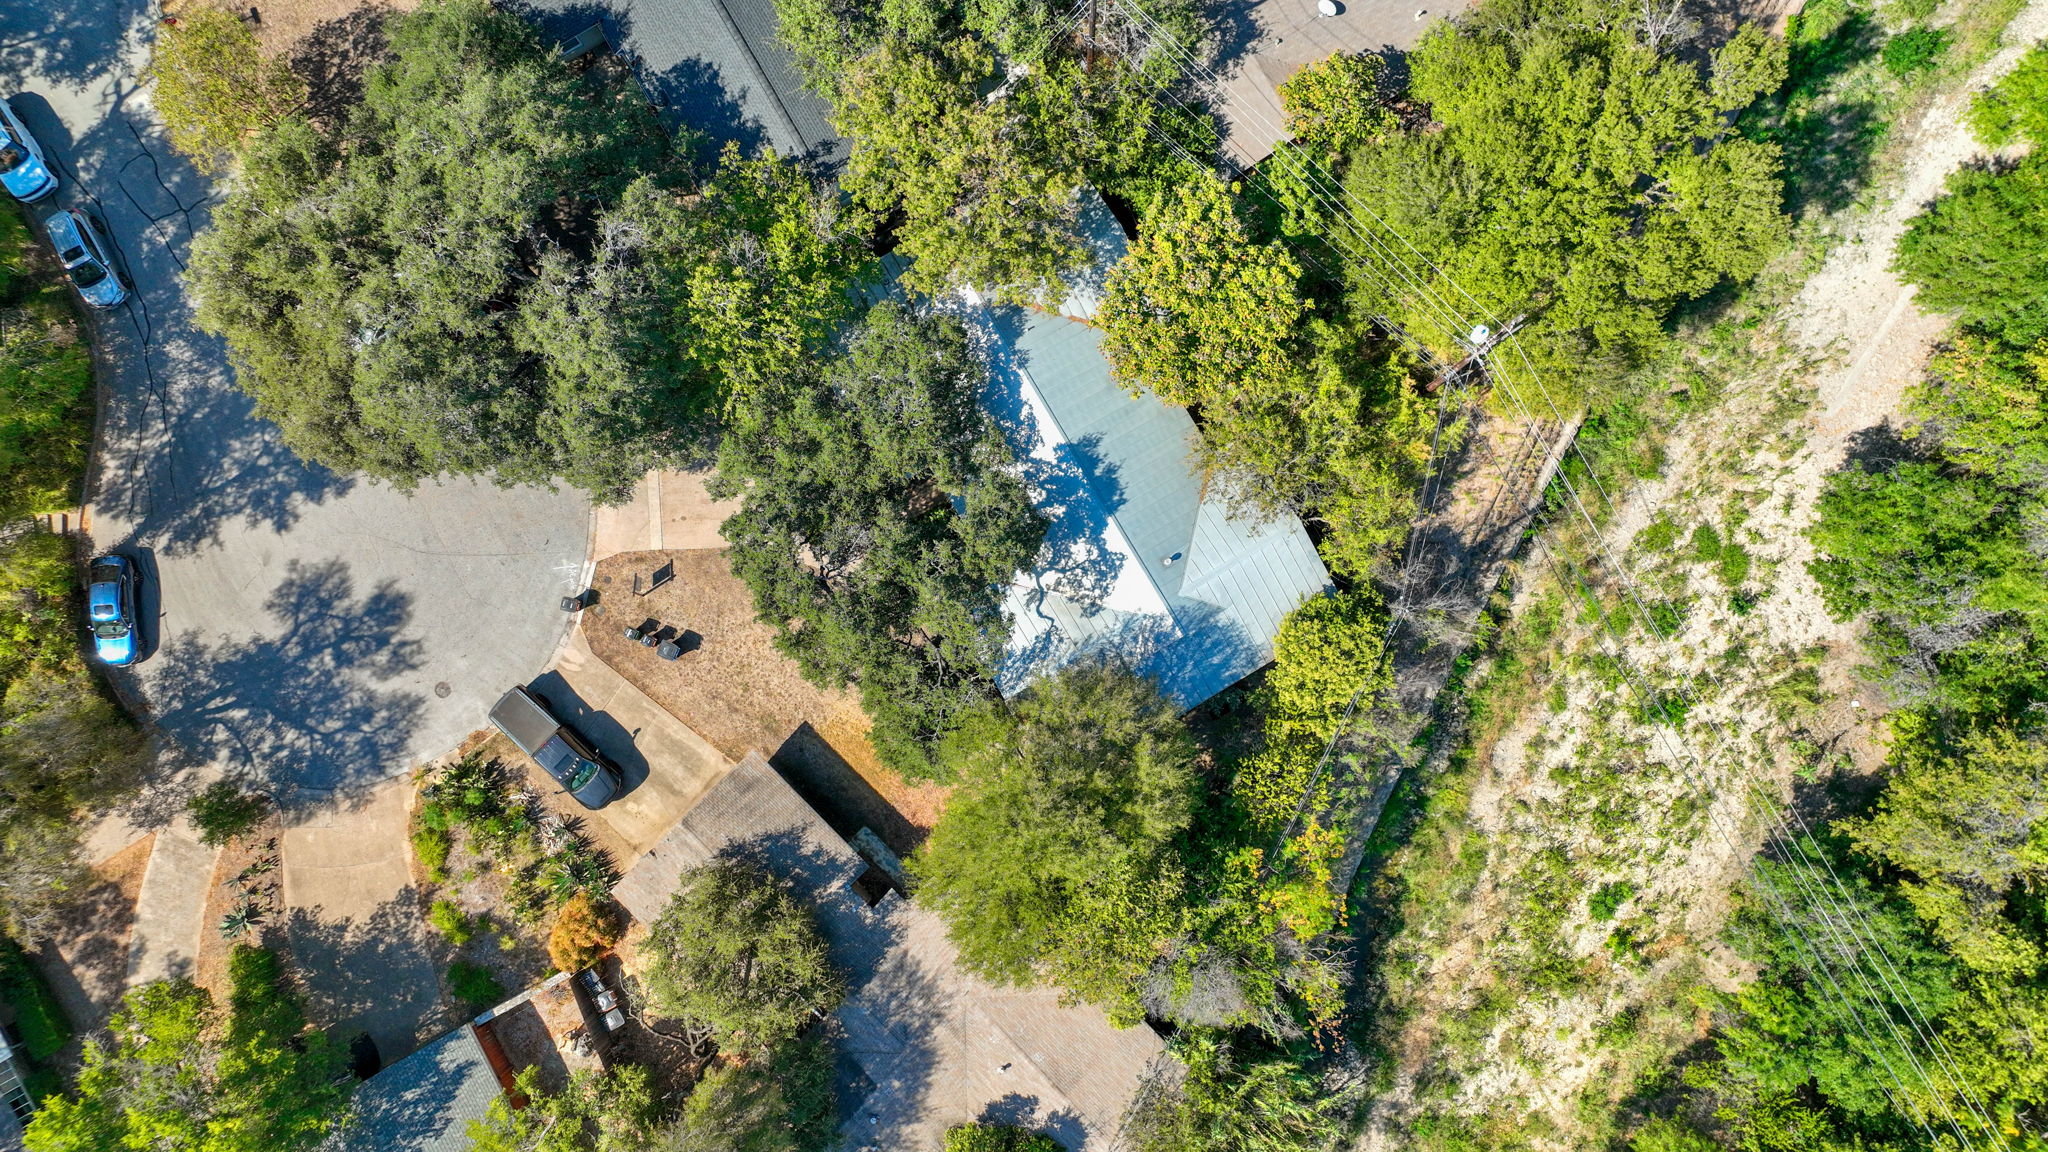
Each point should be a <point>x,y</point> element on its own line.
<point>86,255</point>
<point>22,167</point>
<point>110,609</point>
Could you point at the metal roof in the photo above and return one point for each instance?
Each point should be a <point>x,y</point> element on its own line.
<point>714,65</point>
<point>423,1103</point>
<point>1142,561</point>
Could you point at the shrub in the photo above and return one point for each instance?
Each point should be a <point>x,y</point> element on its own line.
<point>37,1015</point>
<point>432,846</point>
<point>214,88</point>
<point>1914,50</point>
<point>1658,535</point>
<point>583,930</point>
<point>1609,899</point>
<point>998,1138</point>
<point>474,985</point>
<point>223,811</point>
<point>1706,543</point>
<point>450,921</point>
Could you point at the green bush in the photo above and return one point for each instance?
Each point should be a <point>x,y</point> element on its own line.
<point>432,846</point>
<point>1914,50</point>
<point>223,811</point>
<point>998,1138</point>
<point>1706,543</point>
<point>450,921</point>
<point>474,985</point>
<point>1609,899</point>
<point>37,1015</point>
<point>1658,535</point>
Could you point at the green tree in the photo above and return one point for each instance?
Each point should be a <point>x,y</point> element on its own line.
<point>1791,1026</point>
<point>608,1110</point>
<point>780,1102</point>
<point>1988,403</point>
<point>881,521</point>
<point>1981,250</point>
<point>1326,653</point>
<point>986,202</point>
<point>2016,108</point>
<point>1198,313</point>
<point>175,1072</point>
<point>1299,415</point>
<point>1941,560</point>
<point>1968,825</point>
<point>474,275</point>
<point>1584,175</point>
<point>1071,800</point>
<point>1333,105</point>
<point>1232,1101</point>
<point>214,87</point>
<point>735,951</point>
<point>767,291</point>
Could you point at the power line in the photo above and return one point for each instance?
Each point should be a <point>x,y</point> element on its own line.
<point>1886,971</point>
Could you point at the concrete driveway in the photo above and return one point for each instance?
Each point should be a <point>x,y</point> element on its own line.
<point>667,766</point>
<point>324,631</point>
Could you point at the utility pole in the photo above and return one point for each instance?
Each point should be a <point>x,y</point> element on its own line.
<point>1088,54</point>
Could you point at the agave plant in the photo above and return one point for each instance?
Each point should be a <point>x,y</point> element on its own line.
<point>258,867</point>
<point>242,919</point>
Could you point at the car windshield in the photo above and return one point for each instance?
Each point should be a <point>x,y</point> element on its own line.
<point>87,275</point>
<point>585,770</point>
<point>110,630</point>
<point>11,157</point>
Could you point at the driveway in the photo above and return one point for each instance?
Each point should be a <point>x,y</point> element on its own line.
<point>319,629</point>
<point>667,765</point>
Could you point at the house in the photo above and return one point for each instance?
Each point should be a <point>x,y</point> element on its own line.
<point>923,1044</point>
<point>427,1101</point>
<point>14,1095</point>
<point>1145,558</point>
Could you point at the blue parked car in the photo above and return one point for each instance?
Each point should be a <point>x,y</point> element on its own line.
<point>86,255</point>
<point>22,168</point>
<point>110,609</point>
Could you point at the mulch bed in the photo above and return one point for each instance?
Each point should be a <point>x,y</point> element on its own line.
<point>734,688</point>
<point>248,871</point>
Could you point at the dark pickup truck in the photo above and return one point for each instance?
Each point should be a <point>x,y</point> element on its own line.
<point>559,751</point>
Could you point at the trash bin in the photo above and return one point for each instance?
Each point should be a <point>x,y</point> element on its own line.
<point>633,633</point>
<point>669,650</point>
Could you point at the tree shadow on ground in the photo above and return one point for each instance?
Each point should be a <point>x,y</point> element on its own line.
<point>64,41</point>
<point>333,57</point>
<point>301,706</point>
<point>370,974</point>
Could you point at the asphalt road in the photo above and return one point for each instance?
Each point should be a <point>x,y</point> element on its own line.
<point>322,630</point>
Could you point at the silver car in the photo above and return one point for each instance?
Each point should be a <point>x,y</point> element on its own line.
<point>22,167</point>
<point>86,253</point>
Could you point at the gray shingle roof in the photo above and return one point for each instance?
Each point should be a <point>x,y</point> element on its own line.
<point>923,1044</point>
<point>714,65</point>
<point>425,1102</point>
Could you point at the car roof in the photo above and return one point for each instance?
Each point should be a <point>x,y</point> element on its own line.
<point>65,233</point>
<point>522,717</point>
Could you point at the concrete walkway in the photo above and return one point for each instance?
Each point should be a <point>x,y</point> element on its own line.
<point>168,910</point>
<point>667,510</point>
<point>357,933</point>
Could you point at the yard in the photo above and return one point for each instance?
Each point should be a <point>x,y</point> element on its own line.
<point>734,688</point>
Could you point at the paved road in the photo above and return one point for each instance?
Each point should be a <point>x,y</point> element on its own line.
<point>320,629</point>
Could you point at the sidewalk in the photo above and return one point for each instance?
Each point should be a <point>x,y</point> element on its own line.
<point>667,510</point>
